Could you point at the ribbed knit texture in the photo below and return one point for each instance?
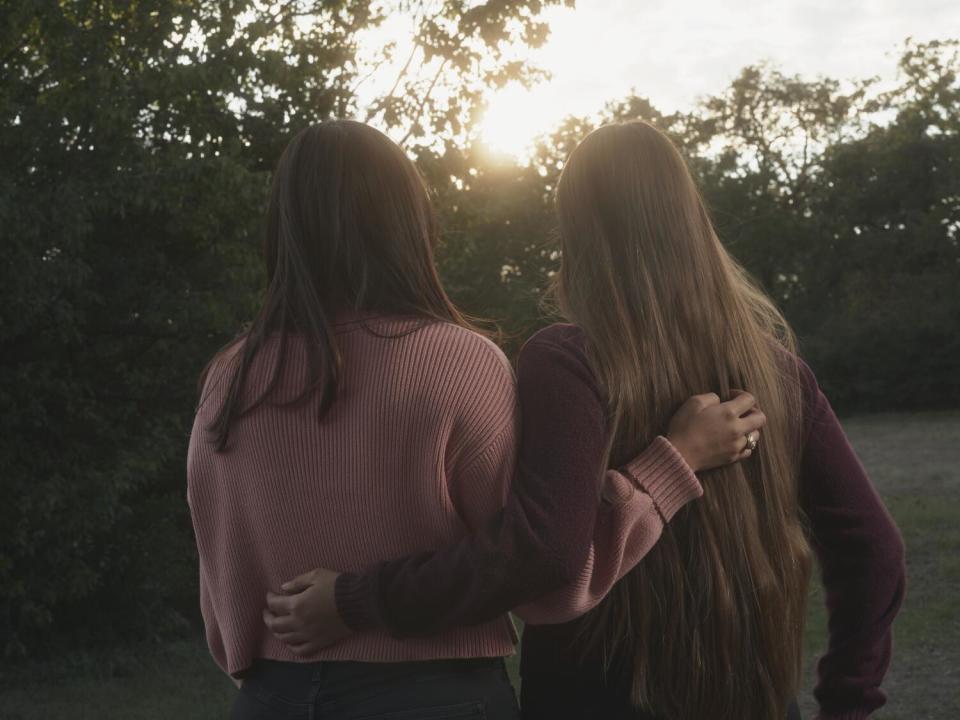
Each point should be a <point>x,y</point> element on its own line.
<point>416,452</point>
<point>553,551</point>
<point>647,494</point>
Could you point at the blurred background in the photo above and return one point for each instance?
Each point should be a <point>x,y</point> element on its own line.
<point>137,140</point>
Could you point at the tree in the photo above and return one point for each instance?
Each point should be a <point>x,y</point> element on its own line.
<point>839,198</point>
<point>881,306</point>
<point>137,140</point>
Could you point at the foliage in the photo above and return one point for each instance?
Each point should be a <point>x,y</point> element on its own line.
<point>137,139</point>
<point>840,198</point>
<point>881,302</point>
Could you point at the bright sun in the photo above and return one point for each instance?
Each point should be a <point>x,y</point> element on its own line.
<point>516,116</point>
<point>513,120</point>
<point>674,53</point>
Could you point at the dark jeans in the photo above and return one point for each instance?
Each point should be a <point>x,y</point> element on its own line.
<point>432,690</point>
<point>556,697</point>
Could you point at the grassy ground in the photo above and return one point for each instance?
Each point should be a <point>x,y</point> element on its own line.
<point>913,459</point>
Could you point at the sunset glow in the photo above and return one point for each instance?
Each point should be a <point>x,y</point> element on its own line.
<point>674,53</point>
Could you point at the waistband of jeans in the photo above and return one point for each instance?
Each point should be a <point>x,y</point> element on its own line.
<point>299,673</point>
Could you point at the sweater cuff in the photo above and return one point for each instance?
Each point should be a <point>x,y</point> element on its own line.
<point>355,596</point>
<point>664,475</point>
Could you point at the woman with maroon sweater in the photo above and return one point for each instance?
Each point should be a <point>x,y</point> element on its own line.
<point>709,623</point>
<point>360,417</point>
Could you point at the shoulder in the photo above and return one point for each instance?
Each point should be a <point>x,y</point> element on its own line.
<point>219,371</point>
<point>809,387</point>
<point>468,349</point>
<point>556,359</point>
<point>565,337</point>
<point>812,399</point>
<point>476,384</point>
<point>557,347</point>
<point>557,342</point>
<point>438,346</point>
<point>468,371</point>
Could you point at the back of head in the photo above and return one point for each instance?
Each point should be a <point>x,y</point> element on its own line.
<point>350,227</point>
<point>710,622</point>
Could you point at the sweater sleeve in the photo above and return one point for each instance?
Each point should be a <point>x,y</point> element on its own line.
<point>480,468</point>
<point>861,558</point>
<point>542,540</point>
<point>645,496</point>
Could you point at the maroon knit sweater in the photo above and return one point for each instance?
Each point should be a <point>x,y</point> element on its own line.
<point>537,543</point>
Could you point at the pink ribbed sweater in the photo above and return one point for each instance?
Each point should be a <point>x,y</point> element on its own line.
<point>418,450</point>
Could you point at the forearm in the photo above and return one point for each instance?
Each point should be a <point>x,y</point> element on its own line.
<point>851,671</point>
<point>861,556</point>
<point>657,484</point>
<point>508,562</point>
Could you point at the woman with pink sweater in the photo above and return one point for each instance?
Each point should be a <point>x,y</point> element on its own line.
<point>361,418</point>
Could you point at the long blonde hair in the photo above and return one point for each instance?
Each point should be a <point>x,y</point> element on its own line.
<point>710,623</point>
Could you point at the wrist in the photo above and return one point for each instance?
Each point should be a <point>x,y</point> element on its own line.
<point>663,474</point>
<point>355,599</point>
<point>689,457</point>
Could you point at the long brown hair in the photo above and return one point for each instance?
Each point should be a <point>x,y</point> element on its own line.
<point>350,226</point>
<point>710,623</point>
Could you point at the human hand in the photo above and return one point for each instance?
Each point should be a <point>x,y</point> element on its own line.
<point>709,433</point>
<point>305,616</point>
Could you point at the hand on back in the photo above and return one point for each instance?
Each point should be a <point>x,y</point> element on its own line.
<point>305,617</point>
<point>709,433</point>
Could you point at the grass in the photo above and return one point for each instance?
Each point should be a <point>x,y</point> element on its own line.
<point>914,460</point>
<point>177,680</point>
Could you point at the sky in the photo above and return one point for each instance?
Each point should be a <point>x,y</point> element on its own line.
<point>676,51</point>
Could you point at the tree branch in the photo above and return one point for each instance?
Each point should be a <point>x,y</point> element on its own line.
<point>423,102</point>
